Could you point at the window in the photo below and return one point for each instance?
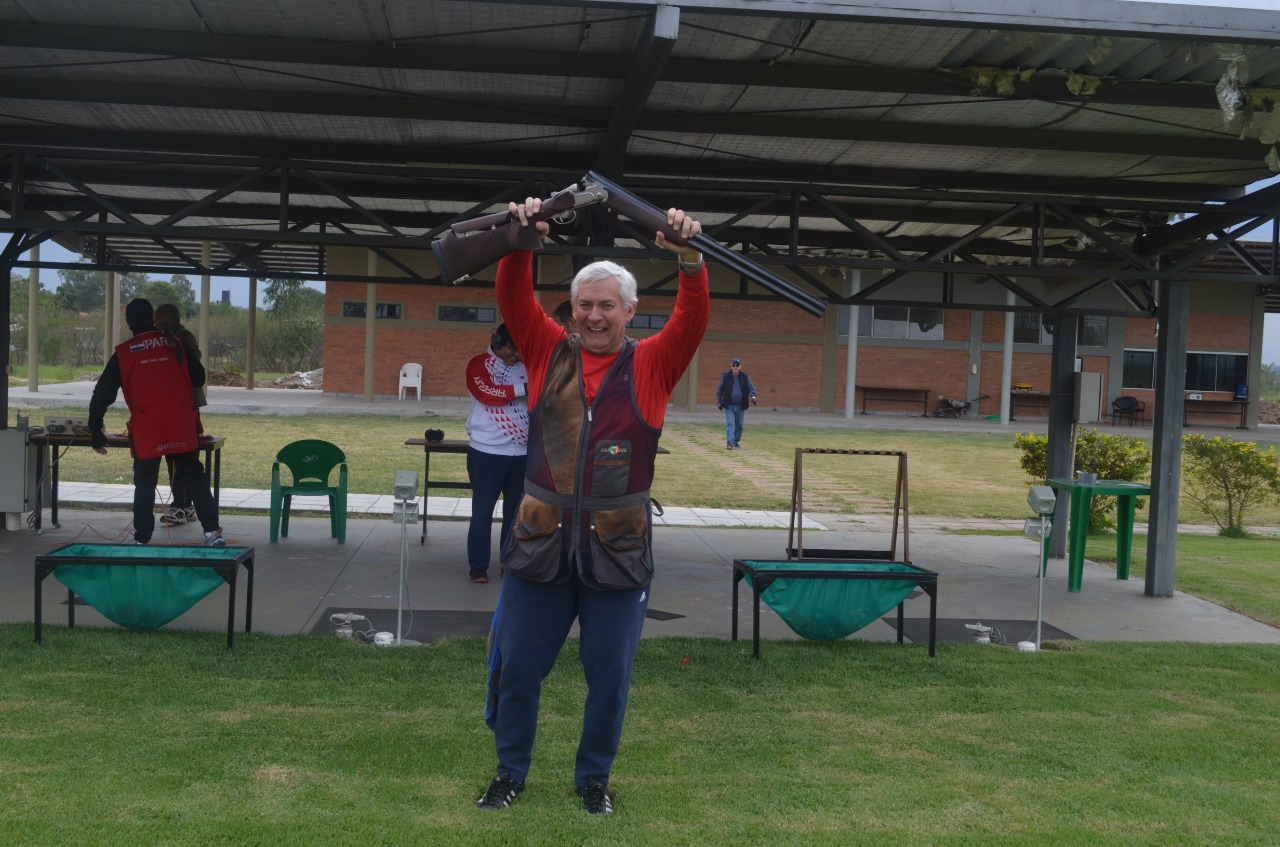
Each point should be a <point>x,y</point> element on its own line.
<point>1205,371</point>
<point>356,309</point>
<point>1093,331</point>
<point>648,321</point>
<point>469,314</point>
<point>1216,371</point>
<point>1031,328</point>
<point>1139,369</point>
<point>920,323</point>
<point>1027,329</point>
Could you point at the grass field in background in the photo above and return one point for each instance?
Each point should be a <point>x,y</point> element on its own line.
<point>113,737</point>
<point>972,475</point>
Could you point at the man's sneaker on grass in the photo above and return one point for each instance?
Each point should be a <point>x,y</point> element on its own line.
<point>174,516</point>
<point>596,799</point>
<point>502,792</point>
<point>214,539</point>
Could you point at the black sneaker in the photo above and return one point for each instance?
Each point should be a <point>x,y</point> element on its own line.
<point>596,799</point>
<point>502,792</point>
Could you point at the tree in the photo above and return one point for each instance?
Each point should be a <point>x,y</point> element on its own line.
<point>1226,478</point>
<point>290,299</point>
<point>85,291</point>
<point>82,290</point>
<point>1122,457</point>
<point>1270,388</point>
<point>51,319</point>
<point>158,292</point>
<point>187,304</point>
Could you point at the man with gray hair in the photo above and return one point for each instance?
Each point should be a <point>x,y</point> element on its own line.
<point>581,546</point>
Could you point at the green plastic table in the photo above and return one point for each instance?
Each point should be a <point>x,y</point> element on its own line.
<point>1082,494</point>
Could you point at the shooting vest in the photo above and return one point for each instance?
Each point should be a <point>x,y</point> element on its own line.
<point>157,388</point>
<point>586,495</point>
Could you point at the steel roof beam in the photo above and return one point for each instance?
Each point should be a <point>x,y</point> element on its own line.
<point>1221,146</point>
<point>519,163</point>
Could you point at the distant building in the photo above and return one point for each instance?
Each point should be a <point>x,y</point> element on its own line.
<point>798,361</point>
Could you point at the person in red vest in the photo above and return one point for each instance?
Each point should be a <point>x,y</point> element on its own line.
<point>581,545</point>
<point>157,378</point>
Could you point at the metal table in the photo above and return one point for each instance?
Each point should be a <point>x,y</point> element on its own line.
<point>210,445</point>
<point>227,561</point>
<point>763,574</point>
<point>429,447</point>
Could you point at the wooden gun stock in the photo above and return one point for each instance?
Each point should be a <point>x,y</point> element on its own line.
<point>471,246</point>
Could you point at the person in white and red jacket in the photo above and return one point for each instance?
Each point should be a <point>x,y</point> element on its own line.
<point>499,431</point>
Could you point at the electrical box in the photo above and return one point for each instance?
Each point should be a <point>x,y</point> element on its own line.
<point>66,426</point>
<point>404,512</point>
<point>1088,397</point>
<point>18,493</point>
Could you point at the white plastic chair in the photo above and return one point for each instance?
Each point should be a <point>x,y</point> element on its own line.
<point>411,377</point>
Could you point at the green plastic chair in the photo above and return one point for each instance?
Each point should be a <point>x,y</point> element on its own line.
<point>310,463</point>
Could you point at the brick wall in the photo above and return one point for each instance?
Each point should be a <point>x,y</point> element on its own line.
<point>787,370</point>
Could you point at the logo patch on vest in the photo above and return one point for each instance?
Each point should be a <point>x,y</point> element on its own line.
<point>613,453</point>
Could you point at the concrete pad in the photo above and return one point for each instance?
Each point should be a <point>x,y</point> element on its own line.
<point>980,578</point>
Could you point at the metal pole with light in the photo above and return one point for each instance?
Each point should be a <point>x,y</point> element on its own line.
<point>406,512</point>
<point>1042,501</point>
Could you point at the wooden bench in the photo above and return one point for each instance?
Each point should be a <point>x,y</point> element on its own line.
<point>1225,408</point>
<point>895,394</point>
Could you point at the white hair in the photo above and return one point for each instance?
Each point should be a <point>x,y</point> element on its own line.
<point>605,270</point>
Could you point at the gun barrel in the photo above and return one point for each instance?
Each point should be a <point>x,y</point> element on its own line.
<point>710,247</point>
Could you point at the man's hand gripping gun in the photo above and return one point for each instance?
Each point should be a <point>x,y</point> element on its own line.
<point>473,245</point>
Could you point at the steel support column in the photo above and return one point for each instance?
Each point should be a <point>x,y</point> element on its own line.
<point>1060,456</point>
<point>1166,438</point>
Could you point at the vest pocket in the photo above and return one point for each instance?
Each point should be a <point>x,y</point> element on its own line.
<point>533,551</point>
<point>621,556</point>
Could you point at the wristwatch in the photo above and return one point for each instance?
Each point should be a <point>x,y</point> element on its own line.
<point>691,267</point>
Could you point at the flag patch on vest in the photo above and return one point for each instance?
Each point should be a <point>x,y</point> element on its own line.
<point>147,344</point>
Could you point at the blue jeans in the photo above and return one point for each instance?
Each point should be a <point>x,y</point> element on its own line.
<point>734,415</point>
<point>490,476</point>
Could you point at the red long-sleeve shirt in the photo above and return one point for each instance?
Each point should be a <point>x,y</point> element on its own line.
<point>660,361</point>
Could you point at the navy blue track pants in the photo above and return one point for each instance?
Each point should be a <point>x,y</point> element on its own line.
<point>531,625</point>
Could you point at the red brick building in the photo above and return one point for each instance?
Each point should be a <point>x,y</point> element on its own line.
<point>798,361</point>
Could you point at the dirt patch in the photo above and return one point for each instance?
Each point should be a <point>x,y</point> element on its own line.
<point>1268,412</point>
<point>313,380</point>
<point>774,476</point>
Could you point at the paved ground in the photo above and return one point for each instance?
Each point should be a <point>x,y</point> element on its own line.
<point>308,575</point>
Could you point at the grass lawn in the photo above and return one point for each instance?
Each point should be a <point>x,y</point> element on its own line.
<point>1241,574</point>
<point>973,475</point>
<point>111,737</point>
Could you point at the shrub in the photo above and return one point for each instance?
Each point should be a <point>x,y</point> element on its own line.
<point>1119,457</point>
<point>1225,478</point>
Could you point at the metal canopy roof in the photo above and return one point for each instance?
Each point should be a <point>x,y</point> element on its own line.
<point>938,135</point>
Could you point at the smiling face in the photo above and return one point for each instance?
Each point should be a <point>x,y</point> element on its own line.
<point>600,315</point>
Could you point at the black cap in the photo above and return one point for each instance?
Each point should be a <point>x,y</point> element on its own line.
<point>139,313</point>
<point>502,337</point>
<point>735,361</point>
